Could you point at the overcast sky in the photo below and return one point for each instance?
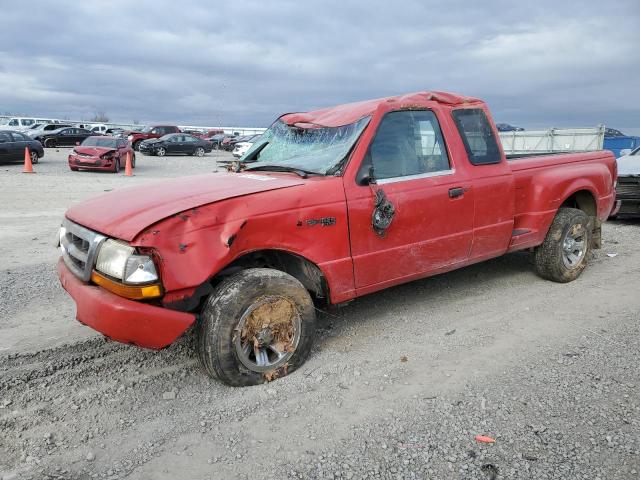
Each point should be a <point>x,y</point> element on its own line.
<point>542,63</point>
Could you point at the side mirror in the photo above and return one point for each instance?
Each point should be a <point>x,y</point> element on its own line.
<point>366,175</point>
<point>625,151</point>
<point>77,144</point>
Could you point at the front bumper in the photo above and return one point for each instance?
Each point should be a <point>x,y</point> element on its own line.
<point>120,319</point>
<point>90,163</point>
<point>629,206</point>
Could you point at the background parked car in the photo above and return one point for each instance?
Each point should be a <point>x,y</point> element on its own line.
<point>63,137</point>
<point>628,184</point>
<point>114,132</point>
<point>101,153</point>
<point>176,143</point>
<point>98,128</point>
<point>242,147</point>
<point>505,127</point>
<point>226,144</point>
<point>17,123</point>
<point>12,145</point>
<point>216,139</point>
<point>157,131</point>
<point>46,127</point>
<point>211,133</point>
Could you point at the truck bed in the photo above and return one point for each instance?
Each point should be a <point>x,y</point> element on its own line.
<point>556,177</point>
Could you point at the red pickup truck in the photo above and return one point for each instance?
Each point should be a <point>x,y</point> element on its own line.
<point>327,206</point>
<point>136,137</point>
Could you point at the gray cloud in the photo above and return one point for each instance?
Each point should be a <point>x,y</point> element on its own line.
<point>245,63</point>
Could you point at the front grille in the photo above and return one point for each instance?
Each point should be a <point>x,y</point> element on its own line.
<point>79,248</point>
<point>84,155</point>
<point>628,187</point>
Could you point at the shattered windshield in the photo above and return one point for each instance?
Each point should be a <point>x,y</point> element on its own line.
<point>317,149</point>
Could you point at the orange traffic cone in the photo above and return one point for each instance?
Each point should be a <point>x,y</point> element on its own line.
<point>28,168</point>
<point>127,166</point>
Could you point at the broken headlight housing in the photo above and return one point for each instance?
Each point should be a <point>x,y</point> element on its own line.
<point>119,260</point>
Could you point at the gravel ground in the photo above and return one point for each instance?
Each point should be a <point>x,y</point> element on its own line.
<point>398,384</point>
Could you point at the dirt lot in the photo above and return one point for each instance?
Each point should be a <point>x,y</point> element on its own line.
<point>398,385</point>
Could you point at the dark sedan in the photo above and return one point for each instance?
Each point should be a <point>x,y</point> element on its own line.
<point>12,145</point>
<point>63,137</point>
<point>176,143</point>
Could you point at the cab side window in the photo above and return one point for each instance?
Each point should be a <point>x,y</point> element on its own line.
<point>477,136</point>
<point>408,143</point>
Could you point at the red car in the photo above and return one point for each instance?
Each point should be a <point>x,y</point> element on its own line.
<point>331,205</point>
<point>135,138</point>
<point>101,153</point>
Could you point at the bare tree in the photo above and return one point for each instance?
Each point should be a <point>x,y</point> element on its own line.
<point>100,117</point>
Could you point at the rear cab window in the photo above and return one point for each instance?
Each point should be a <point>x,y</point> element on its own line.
<point>477,135</point>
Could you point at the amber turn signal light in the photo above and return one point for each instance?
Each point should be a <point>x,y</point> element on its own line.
<point>134,292</point>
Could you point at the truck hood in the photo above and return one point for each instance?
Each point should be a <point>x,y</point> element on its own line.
<point>126,212</point>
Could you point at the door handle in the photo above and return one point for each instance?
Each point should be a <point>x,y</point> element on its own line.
<point>456,192</point>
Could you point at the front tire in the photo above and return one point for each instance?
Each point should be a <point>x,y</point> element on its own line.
<point>257,325</point>
<point>116,165</point>
<point>161,152</point>
<point>563,255</point>
<point>50,143</point>
<point>136,145</point>
<point>34,157</point>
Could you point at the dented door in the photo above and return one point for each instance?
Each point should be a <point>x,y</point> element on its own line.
<point>417,217</point>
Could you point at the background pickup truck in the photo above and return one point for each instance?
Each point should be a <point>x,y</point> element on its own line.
<point>326,206</point>
<point>149,132</point>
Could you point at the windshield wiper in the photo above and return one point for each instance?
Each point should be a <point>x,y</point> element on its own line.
<point>282,168</point>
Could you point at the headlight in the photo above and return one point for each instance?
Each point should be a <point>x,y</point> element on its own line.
<point>112,258</point>
<point>130,137</point>
<point>118,260</point>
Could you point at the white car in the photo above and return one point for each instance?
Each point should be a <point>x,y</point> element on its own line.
<point>628,183</point>
<point>243,147</point>
<point>98,128</point>
<point>45,127</point>
<point>629,162</point>
<point>17,124</point>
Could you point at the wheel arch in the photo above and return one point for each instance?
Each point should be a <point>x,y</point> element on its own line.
<point>304,270</point>
<point>299,267</point>
<point>584,200</point>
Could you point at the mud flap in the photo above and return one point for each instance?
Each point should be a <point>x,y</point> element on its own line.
<point>596,232</point>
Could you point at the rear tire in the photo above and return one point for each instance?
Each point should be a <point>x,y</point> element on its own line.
<point>199,152</point>
<point>74,169</point>
<point>246,317</point>
<point>133,161</point>
<point>563,255</point>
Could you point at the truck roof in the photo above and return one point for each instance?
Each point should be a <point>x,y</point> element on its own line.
<point>351,112</point>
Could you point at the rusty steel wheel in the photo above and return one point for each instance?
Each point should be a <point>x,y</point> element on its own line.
<point>267,334</point>
<point>256,326</point>
<point>563,255</point>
